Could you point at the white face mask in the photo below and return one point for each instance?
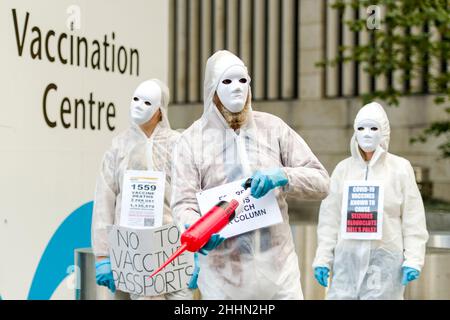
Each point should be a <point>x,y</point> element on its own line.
<point>145,102</point>
<point>233,89</point>
<point>368,135</point>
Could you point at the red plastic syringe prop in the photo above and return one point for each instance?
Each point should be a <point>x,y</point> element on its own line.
<point>198,234</point>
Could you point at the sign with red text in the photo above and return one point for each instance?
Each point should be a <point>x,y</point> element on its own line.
<point>362,210</point>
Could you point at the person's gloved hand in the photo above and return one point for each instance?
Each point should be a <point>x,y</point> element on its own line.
<point>266,180</point>
<point>193,281</point>
<point>409,274</point>
<point>321,274</point>
<point>212,243</point>
<point>103,274</point>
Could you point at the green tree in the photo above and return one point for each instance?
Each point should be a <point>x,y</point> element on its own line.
<point>393,47</point>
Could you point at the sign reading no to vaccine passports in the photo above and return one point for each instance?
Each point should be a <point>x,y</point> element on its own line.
<point>136,253</point>
<point>256,213</point>
<point>362,210</point>
<point>141,243</point>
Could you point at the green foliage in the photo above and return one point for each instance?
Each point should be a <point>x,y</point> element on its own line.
<point>414,37</point>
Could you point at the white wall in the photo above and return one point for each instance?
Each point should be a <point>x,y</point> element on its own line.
<point>46,173</point>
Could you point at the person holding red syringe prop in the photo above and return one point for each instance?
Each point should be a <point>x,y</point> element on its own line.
<point>231,142</point>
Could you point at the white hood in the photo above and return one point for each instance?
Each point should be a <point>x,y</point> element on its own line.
<point>372,111</point>
<point>165,97</point>
<point>216,66</point>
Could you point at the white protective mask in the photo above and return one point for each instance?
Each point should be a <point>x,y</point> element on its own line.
<point>368,135</point>
<point>145,102</point>
<point>233,88</point>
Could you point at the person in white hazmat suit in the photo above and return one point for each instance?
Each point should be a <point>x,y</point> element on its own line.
<point>232,142</point>
<point>372,269</point>
<point>146,145</point>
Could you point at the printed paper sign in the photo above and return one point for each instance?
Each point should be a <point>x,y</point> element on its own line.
<point>136,253</point>
<point>362,210</point>
<point>142,199</point>
<point>256,213</point>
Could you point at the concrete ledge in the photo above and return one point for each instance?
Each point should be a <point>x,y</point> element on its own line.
<point>441,190</point>
<point>329,161</point>
<point>439,168</point>
<point>330,140</point>
<point>311,85</point>
<point>182,116</point>
<point>281,109</point>
<point>321,113</point>
<point>400,137</point>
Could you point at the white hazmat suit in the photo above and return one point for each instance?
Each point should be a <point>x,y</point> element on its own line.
<point>260,264</point>
<point>372,269</point>
<point>133,150</point>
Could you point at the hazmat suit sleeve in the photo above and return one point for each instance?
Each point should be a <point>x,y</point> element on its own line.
<point>185,185</point>
<point>415,235</point>
<point>308,179</point>
<point>104,204</point>
<point>329,221</point>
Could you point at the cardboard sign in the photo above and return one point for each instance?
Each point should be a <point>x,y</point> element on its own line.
<point>136,253</point>
<point>256,213</point>
<point>362,210</point>
<point>142,199</point>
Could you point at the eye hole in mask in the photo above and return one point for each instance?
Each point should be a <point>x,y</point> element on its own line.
<point>136,99</point>
<point>147,103</point>
<point>373,129</point>
<point>228,81</point>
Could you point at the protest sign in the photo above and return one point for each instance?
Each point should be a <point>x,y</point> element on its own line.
<point>256,213</point>
<point>142,199</point>
<point>362,210</point>
<point>136,253</point>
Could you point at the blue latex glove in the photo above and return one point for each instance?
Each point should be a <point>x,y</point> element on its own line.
<point>212,243</point>
<point>409,274</point>
<point>266,180</point>
<point>193,281</point>
<point>321,274</point>
<point>103,274</point>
